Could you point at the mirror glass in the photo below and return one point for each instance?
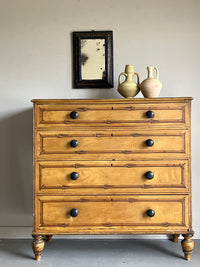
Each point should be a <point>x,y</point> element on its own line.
<point>92,59</point>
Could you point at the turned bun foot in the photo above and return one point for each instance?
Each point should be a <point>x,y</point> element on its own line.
<point>48,238</point>
<point>38,246</point>
<point>175,238</point>
<point>187,245</point>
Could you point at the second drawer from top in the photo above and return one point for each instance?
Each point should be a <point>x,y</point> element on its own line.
<point>112,144</point>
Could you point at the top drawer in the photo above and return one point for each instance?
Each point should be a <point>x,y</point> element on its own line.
<point>112,114</point>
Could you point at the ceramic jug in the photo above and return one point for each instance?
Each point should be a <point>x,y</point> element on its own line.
<point>129,88</point>
<point>151,86</point>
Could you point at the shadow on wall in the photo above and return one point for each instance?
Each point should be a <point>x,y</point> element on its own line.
<point>16,170</point>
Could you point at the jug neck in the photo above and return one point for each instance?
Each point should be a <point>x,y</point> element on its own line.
<point>129,77</point>
<point>129,69</point>
<point>150,72</point>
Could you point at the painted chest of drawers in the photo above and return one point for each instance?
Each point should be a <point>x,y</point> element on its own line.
<point>112,166</point>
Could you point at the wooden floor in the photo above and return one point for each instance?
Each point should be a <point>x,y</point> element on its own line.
<point>97,253</point>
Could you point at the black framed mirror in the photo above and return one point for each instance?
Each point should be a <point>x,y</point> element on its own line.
<point>93,59</point>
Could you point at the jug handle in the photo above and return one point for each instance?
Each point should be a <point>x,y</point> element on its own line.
<point>123,73</point>
<point>138,78</point>
<point>157,73</point>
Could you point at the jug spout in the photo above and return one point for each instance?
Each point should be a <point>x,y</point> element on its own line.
<point>150,72</point>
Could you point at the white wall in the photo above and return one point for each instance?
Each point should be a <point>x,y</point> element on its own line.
<point>35,62</point>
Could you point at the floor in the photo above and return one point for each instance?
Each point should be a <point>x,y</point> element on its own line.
<point>97,253</point>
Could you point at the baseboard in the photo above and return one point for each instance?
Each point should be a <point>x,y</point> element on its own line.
<point>12,232</point>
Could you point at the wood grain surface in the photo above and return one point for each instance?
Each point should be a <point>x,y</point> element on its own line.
<point>112,193</point>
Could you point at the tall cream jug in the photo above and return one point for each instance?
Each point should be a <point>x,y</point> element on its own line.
<point>129,88</point>
<point>151,86</point>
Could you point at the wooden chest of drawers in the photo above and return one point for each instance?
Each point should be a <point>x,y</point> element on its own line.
<point>112,166</point>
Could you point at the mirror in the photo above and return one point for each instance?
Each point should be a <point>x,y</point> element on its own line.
<point>93,59</point>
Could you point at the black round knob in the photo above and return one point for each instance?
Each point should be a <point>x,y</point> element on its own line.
<point>74,212</point>
<point>149,175</point>
<point>74,143</point>
<point>74,114</point>
<point>150,114</point>
<point>149,142</point>
<point>150,213</point>
<point>74,175</point>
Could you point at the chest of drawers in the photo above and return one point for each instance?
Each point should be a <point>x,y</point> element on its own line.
<point>112,166</point>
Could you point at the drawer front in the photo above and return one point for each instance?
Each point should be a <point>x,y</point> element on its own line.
<point>107,144</point>
<point>119,177</point>
<point>111,114</point>
<point>107,212</point>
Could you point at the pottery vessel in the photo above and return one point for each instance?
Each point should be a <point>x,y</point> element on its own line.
<point>151,86</point>
<point>129,88</point>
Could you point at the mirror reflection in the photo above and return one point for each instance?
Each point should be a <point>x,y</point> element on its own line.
<point>92,59</point>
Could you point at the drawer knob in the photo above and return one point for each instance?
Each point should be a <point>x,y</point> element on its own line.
<point>150,213</point>
<point>150,114</point>
<point>74,114</point>
<point>74,143</point>
<point>74,212</point>
<point>149,142</point>
<point>74,175</point>
<point>149,175</point>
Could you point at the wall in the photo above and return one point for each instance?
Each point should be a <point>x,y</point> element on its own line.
<point>36,53</point>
